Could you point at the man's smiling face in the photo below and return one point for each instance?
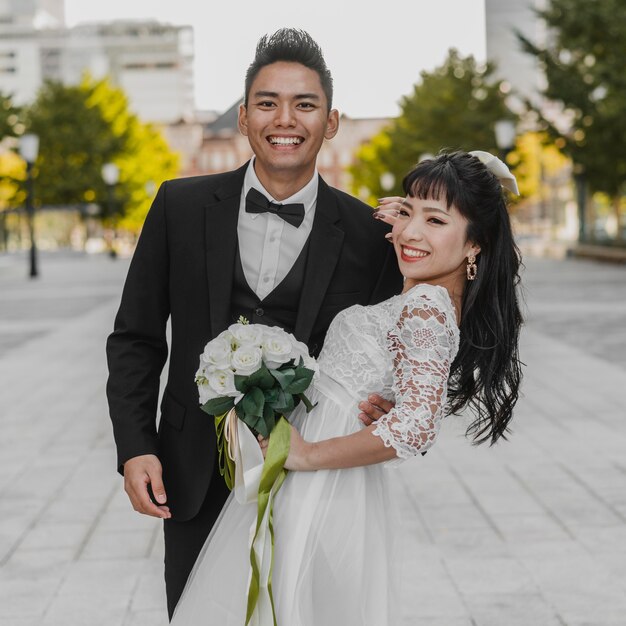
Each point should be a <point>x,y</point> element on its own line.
<point>286,121</point>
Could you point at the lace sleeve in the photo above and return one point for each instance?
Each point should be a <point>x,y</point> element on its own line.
<point>423,344</point>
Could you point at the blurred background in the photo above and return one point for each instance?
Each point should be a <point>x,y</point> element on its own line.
<point>101,102</point>
<point>99,105</point>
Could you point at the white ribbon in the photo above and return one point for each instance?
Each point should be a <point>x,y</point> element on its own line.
<point>498,168</point>
<point>246,452</point>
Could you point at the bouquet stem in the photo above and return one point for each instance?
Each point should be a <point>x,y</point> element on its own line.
<point>272,478</point>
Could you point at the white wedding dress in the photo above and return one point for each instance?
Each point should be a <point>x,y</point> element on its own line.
<point>335,561</point>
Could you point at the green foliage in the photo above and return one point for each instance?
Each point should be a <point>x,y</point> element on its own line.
<point>453,107</point>
<point>9,116</point>
<point>267,394</point>
<point>75,141</point>
<point>83,127</point>
<point>583,62</point>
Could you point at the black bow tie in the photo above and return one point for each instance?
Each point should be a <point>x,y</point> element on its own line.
<point>256,202</point>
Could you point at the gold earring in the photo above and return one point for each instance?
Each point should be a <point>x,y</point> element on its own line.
<point>471,267</point>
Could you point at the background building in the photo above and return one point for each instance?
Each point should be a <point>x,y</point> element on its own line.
<point>503,18</point>
<point>152,62</point>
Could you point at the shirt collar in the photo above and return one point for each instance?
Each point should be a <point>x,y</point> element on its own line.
<point>306,196</point>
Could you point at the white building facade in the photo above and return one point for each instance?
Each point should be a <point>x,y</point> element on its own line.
<point>151,62</point>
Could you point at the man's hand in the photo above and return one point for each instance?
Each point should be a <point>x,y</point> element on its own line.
<point>374,408</point>
<point>142,472</point>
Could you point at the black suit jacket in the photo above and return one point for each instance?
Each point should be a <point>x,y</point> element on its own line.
<point>183,269</point>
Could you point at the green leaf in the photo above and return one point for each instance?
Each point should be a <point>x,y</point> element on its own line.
<point>301,383</point>
<point>218,406</point>
<point>253,402</point>
<point>284,404</point>
<point>269,417</point>
<point>261,378</point>
<point>257,424</point>
<point>272,395</point>
<point>284,377</point>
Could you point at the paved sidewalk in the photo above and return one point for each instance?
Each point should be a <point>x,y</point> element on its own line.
<point>530,532</point>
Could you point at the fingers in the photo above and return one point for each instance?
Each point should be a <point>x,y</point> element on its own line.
<point>387,200</point>
<point>141,475</point>
<point>263,444</point>
<point>373,409</point>
<point>387,209</point>
<point>384,406</point>
<point>389,216</point>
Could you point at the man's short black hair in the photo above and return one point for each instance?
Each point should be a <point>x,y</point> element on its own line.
<point>290,45</point>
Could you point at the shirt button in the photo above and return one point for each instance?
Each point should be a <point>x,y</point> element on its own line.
<point>266,279</point>
<point>259,311</point>
<point>272,239</point>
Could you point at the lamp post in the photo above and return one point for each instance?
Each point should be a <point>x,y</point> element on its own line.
<point>111,176</point>
<point>505,136</point>
<point>29,149</point>
<point>581,201</point>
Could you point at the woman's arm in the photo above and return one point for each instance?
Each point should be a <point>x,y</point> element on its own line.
<point>423,346</point>
<point>360,448</point>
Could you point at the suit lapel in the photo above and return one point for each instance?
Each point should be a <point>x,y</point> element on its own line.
<point>221,246</point>
<point>325,244</point>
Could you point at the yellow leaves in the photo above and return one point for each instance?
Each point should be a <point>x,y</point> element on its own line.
<point>12,168</point>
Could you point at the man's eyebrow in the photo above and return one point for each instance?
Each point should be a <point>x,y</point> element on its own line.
<point>265,94</point>
<point>306,96</point>
<point>275,94</point>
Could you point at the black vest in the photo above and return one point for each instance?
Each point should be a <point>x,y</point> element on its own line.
<point>279,307</point>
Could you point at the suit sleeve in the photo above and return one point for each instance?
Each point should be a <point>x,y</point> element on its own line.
<point>137,347</point>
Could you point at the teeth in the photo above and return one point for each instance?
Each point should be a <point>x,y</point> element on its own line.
<point>285,141</point>
<point>414,253</point>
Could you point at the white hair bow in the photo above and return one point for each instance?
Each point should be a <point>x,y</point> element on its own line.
<point>498,168</point>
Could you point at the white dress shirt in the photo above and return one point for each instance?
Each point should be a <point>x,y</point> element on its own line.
<point>269,246</point>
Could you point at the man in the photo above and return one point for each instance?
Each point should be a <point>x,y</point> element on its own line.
<point>269,241</point>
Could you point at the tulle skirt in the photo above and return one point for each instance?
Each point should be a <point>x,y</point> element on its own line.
<point>334,540</point>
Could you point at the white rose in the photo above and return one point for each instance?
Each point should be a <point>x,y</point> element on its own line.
<point>246,334</point>
<point>311,364</point>
<point>247,360</point>
<point>222,383</point>
<point>216,355</point>
<point>277,349</point>
<point>299,349</point>
<point>206,392</point>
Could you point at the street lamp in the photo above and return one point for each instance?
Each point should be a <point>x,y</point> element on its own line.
<point>505,136</point>
<point>29,149</point>
<point>111,176</point>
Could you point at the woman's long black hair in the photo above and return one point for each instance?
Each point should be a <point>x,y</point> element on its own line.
<point>486,372</point>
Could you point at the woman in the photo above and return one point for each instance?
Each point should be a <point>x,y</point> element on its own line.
<point>450,340</point>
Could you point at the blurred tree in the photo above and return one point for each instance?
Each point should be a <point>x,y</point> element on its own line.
<point>145,161</point>
<point>75,140</point>
<point>9,116</point>
<point>85,126</point>
<point>12,168</point>
<point>454,107</point>
<point>583,63</point>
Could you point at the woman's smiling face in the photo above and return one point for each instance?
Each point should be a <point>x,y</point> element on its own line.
<point>431,243</point>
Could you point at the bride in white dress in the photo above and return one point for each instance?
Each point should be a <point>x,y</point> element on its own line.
<point>335,562</point>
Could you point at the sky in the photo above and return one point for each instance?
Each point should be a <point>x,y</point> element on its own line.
<point>375,50</point>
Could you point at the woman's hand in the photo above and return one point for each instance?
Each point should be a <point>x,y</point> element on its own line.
<point>299,451</point>
<point>387,210</point>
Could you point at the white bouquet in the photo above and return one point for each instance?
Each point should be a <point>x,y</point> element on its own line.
<point>252,376</point>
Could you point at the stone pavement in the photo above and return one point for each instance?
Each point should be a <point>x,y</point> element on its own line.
<point>529,532</point>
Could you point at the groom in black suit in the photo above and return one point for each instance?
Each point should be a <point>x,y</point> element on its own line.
<point>270,241</point>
